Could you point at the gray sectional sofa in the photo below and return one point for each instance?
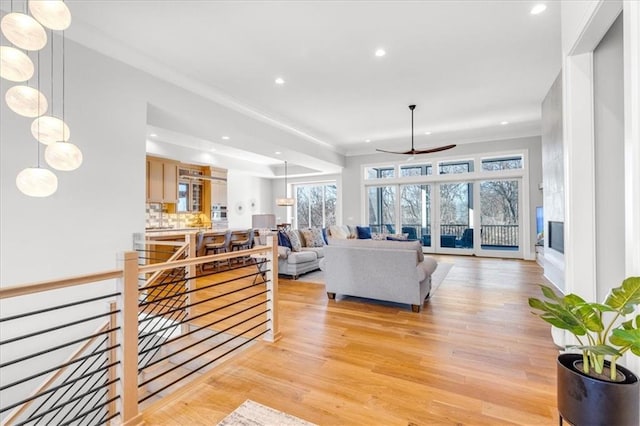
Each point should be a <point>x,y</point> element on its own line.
<point>394,271</point>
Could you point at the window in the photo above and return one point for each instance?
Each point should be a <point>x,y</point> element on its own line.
<point>455,167</point>
<point>381,208</point>
<point>385,172</point>
<point>315,205</point>
<point>416,170</point>
<point>507,163</point>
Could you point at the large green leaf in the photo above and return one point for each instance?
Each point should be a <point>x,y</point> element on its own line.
<point>560,315</point>
<point>627,338</point>
<point>625,297</point>
<point>585,312</point>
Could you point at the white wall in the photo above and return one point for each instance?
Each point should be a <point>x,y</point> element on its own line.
<point>609,160</point>
<point>244,190</point>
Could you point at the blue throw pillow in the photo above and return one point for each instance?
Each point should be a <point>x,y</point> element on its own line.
<point>324,236</point>
<point>283,240</point>
<point>364,232</point>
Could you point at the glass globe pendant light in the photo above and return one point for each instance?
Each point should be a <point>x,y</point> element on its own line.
<point>23,31</point>
<point>37,182</point>
<point>26,101</point>
<point>63,156</point>
<point>53,14</point>
<point>49,129</point>
<point>15,65</point>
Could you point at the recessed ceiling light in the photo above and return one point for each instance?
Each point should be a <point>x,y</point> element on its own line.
<point>504,123</point>
<point>367,140</point>
<point>427,133</point>
<point>380,53</point>
<point>538,8</point>
<point>226,138</point>
<point>153,135</point>
<point>279,81</point>
<point>278,153</point>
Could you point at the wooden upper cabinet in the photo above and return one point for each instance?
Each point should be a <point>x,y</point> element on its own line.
<point>170,192</point>
<point>162,181</point>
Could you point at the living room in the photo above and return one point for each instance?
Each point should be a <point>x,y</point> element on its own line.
<point>115,104</point>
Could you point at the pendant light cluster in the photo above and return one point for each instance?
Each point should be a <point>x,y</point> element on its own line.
<point>26,32</point>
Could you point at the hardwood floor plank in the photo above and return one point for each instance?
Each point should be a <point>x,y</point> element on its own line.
<point>474,355</point>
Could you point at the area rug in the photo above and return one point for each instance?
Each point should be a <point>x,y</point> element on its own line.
<point>250,413</point>
<point>439,275</point>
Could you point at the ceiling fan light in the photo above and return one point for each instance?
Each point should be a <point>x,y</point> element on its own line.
<point>26,101</point>
<point>52,14</point>
<point>63,156</point>
<point>15,65</point>
<point>37,182</point>
<point>23,31</point>
<point>48,129</point>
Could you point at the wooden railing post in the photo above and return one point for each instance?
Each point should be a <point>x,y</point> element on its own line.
<point>191,282</point>
<point>272,295</point>
<point>127,352</point>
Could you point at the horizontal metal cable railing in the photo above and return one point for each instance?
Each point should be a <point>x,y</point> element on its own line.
<point>186,329</point>
<point>131,335</point>
<point>58,364</point>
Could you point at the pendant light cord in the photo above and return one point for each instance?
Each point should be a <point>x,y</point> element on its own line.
<point>64,136</point>
<point>37,141</point>
<point>285,179</point>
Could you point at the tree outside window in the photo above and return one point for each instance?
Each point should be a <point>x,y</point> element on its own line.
<point>315,205</point>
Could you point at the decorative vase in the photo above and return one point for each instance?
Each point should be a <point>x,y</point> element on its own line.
<point>586,400</point>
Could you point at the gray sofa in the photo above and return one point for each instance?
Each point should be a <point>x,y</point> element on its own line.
<point>295,263</point>
<point>394,271</point>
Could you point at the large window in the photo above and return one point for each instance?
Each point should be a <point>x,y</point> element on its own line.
<point>315,205</point>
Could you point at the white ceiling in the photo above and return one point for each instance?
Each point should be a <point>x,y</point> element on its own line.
<point>468,65</point>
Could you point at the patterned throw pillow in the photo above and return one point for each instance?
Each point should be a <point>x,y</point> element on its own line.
<point>283,240</point>
<point>398,237</point>
<point>296,244</point>
<point>313,237</point>
<point>379,236</point>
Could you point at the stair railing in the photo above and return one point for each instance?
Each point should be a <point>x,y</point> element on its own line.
<point>239,309</point>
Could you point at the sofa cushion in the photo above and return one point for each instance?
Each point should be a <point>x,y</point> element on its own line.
<point>294,238</point>
<point>312,237</point>
<point>340,232</point>
<point>364,232</point>
<point>283,239</point>
<point>302,257</point>
<point>319,251</point>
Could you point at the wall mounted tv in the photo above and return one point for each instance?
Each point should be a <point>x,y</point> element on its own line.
<point>556,236</point>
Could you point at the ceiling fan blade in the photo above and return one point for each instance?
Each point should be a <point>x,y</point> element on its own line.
<point>428,151</point>
<point>393,152</point>
<point>419,151</point>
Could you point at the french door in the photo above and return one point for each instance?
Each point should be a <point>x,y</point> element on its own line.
<point>461,217</point>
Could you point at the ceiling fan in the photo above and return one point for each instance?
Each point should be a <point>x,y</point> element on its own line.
<point>414,151</point>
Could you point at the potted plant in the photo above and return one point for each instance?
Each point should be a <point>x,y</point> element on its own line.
<point>592,388</point>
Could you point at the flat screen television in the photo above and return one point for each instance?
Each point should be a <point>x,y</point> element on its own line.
<point>556,236</point>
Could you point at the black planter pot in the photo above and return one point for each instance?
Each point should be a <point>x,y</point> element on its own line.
<point>585,400</point>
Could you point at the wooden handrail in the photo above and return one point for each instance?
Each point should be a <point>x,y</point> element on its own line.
<point>54,376</point>
<point>22,290</point>
<point>202,259</point>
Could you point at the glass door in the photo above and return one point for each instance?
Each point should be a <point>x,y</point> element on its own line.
<point>415,212</point>
<point>455,232</point>
<point>381,208</point>
<point>500,216</point>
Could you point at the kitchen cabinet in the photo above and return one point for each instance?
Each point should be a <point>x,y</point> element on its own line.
<point>162,181</point>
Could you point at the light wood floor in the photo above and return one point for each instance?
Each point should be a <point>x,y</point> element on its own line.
<point>475,355</point>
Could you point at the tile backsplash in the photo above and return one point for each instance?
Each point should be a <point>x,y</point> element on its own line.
<point>156,216</point>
